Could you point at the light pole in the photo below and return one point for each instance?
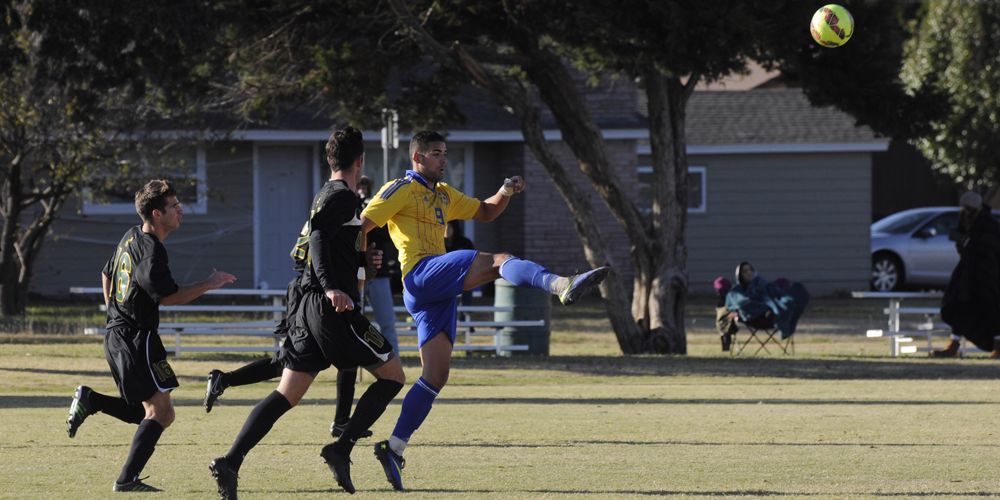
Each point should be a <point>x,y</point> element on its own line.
<point>390,138</point>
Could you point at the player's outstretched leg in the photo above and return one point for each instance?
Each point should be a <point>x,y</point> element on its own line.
<point>79,410</point>
<point>578,285</point>
<point>569,289</point>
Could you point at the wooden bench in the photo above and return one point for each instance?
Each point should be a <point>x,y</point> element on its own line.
<point>470,330</point>
<point>901,341</point>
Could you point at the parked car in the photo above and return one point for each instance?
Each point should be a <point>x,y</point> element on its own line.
<point>912,248</point>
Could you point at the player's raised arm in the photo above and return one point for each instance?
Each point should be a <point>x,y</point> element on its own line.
<point>187,293</point>
<point>492,207</point>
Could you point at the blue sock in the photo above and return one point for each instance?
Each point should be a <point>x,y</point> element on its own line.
<point>522,272</point>
<point>416,406</point>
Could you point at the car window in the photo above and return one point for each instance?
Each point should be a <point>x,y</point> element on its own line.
<point>943,224</point>
<point>899,223</point>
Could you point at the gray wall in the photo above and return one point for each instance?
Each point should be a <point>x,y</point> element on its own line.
<point>800,216</point>
<point>804,217</point>
<point>79,245</point>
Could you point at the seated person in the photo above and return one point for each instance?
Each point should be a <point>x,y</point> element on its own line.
<point>761,303</point>
<point>725,320</point>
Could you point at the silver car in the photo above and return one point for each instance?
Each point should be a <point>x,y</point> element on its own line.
<point>912,248</point>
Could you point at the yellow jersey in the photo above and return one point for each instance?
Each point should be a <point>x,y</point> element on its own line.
<point>418,215</point>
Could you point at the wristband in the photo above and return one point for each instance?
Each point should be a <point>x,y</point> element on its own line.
<point>508,188</point>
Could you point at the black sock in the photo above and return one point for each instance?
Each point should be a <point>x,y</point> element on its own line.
<point>258,371</point>
<point>116,407</point>
<point>258,424</point>
<point>143,444</point>
<point>345,394</point>
<point>370,407</point>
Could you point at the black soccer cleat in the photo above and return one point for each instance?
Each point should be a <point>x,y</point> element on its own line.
<point>580,284</point>
<point>336,430</point>
<point>134,485</point>
<point>225,478</point>
<point>79,409</point>
<point>340,466</point>
<point>392,464</point>
<point>214,389</point>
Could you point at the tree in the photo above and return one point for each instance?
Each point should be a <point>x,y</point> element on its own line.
<point>75,81</point>
<point>955,54</point>
<point>528,55</point>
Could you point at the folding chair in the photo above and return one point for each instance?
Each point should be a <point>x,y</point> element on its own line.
<point>764,331</point>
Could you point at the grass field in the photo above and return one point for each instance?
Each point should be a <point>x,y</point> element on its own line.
<point>837,420</point>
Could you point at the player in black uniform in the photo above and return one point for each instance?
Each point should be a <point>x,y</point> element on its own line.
<point>268,368</point>
<point>328,329</point>
<point>135,281</point>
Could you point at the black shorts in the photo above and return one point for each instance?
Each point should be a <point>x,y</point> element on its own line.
<point>321,337</point>
<point>138,363</point>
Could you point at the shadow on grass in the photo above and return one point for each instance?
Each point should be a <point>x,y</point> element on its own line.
<point>189,379</point>
<point>634,492</point>
<point>665,366</point>
<point>29,401</point>
<point>811,368</point>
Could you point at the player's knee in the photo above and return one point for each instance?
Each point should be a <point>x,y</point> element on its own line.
<point>500,258</point>
<point>168,418</point>
<point>437,378</point>
<point>164,415</point>
<point>293,400</point>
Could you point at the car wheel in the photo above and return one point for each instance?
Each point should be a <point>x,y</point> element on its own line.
<point>887,273</point>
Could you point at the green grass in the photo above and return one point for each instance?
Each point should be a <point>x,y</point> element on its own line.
<point>837,420</point>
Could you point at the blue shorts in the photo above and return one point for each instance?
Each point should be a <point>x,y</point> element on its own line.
<point>431,290</point>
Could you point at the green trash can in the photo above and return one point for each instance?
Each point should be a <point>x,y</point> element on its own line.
<point>528,304</point>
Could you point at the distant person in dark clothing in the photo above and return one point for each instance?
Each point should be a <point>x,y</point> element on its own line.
<point>755,299</point>
<point>725,320</point>
<point>971,303</point>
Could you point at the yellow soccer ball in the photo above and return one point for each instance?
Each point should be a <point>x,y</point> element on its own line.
<point>832,25</point>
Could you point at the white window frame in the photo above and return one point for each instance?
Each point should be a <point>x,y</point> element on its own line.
<point>701,209</point>
<point>199,206</point>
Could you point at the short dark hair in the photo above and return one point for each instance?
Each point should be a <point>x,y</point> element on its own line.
<point>153,196</point>
<point>345,146</point>
<point>423,139</point>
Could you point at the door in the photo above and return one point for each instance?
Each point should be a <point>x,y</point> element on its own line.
<point>282,192</point>
<point>932,254</point>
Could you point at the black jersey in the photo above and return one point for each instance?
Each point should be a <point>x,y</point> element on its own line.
<point>332,230</point>
<point>140,278</point>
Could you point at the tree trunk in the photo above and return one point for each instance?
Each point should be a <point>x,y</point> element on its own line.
<point>11,298</point>
<point>665,279</point>
<point>548,74</point>
<point>29,245</point>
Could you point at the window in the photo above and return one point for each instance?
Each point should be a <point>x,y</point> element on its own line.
<point>696,188</point>
<point>183,166</point>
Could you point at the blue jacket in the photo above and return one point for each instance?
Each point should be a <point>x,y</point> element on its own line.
<point>760,296</point>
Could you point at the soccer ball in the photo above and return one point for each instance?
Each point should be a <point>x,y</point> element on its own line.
<point>832,25</point>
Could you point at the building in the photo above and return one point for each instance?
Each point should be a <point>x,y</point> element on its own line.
<point>774,181</point>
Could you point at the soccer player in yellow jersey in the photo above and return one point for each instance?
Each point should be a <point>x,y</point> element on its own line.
<point>417,209</point>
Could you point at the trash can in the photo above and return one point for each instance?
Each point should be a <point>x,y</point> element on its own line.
<point>528,304</point>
